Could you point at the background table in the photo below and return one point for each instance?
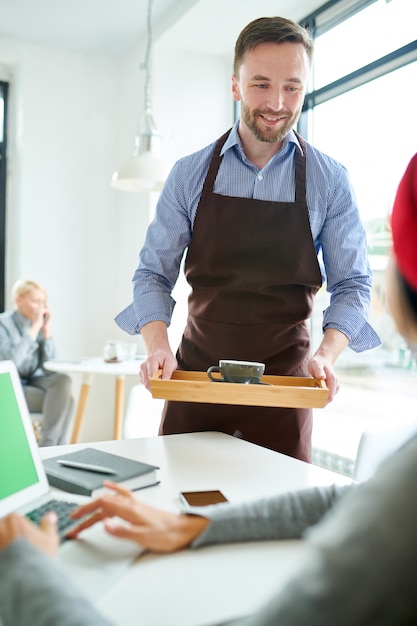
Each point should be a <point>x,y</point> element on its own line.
<point>96,365</point>
<point>206,586</point>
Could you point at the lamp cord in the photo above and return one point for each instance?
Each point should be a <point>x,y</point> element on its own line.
<point>147,62</point>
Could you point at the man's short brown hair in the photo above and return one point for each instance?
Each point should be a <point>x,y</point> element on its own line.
<point>270,30</point>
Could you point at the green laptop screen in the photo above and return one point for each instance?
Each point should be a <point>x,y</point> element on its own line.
<point>17,470</point>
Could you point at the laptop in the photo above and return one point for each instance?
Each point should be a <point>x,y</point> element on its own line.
<point>94,561</point>
<point>23,482</point>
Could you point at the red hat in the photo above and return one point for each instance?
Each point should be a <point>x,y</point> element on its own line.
<point>404,225</point>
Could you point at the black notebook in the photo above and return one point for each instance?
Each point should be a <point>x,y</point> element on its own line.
<point>129,473</point>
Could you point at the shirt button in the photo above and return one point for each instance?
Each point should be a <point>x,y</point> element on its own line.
<point>260,177</point>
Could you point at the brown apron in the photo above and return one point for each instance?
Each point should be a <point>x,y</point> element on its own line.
<point>253,270</point>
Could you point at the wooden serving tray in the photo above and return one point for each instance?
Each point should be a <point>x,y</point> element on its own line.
<point>285,391</point>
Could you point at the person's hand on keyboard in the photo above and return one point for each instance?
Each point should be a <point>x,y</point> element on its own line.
<point>44,537</point>
<point>151,528</point>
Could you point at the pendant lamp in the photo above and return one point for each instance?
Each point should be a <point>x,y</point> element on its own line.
<point>145,170</point>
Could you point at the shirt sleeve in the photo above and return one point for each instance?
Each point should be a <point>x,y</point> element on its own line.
<point>35,590</point>
<point>284,516</point>
<point>23,352</point>
<point>361,567</point>
<point>166,240</point>
<point>342,241</point>
<point>49,350</point>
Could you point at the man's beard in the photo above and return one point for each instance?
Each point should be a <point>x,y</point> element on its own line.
<point>262,133</point>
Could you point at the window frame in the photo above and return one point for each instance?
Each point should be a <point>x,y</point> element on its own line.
<point>326,17</point>
<point>4,91</point>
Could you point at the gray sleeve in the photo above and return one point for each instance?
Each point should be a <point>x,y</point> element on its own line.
<point>35,590</point>
<point>361,569</point>
<point>21,349</point>
<point>48,350</point>
<point>284,516</point>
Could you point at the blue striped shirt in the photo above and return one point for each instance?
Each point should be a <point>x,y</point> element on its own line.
<point>337,231</point>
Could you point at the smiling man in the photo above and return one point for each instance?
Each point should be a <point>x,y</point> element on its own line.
<point>254,210</point>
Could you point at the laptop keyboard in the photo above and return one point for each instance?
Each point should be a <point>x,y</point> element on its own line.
<point>62,509</point>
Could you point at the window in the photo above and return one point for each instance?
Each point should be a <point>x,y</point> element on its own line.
<point>363,38</point>
<point>361,111</point>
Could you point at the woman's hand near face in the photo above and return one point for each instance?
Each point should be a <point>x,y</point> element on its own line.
<point>46,323</point>
<point>153,529</point>
<point>37,324</point>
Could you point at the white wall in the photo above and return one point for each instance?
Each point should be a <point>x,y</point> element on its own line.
<point>62,215</point>
<point>72,122</point>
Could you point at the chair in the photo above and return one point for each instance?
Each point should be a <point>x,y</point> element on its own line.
<point>34,399</point>
<point>378,443</point>
<point>37,424</point>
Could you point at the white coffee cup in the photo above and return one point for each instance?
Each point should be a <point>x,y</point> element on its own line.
<point>244,372</point>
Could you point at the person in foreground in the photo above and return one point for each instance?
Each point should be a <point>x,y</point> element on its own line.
<point>26,339</point>
<point>254,210</point>
<point>360,569</point>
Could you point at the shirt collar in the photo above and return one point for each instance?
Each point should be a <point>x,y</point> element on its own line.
<point>234,140</point>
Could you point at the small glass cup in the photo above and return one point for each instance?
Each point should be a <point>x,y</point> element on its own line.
<point>112,352</point>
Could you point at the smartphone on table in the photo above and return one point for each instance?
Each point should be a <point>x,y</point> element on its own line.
<point>201,498</point>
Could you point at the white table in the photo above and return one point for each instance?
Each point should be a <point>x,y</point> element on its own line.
<point>204,587</point>
<point>88,367</point>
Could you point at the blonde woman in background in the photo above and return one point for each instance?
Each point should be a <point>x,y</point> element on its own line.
<point>26,339</point>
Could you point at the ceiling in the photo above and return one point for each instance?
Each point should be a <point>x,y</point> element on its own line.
<point>114,26</point>
<point>91,26</point>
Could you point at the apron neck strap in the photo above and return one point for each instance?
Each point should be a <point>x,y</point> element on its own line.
<point>300,170</point>
<point>215,163</point>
